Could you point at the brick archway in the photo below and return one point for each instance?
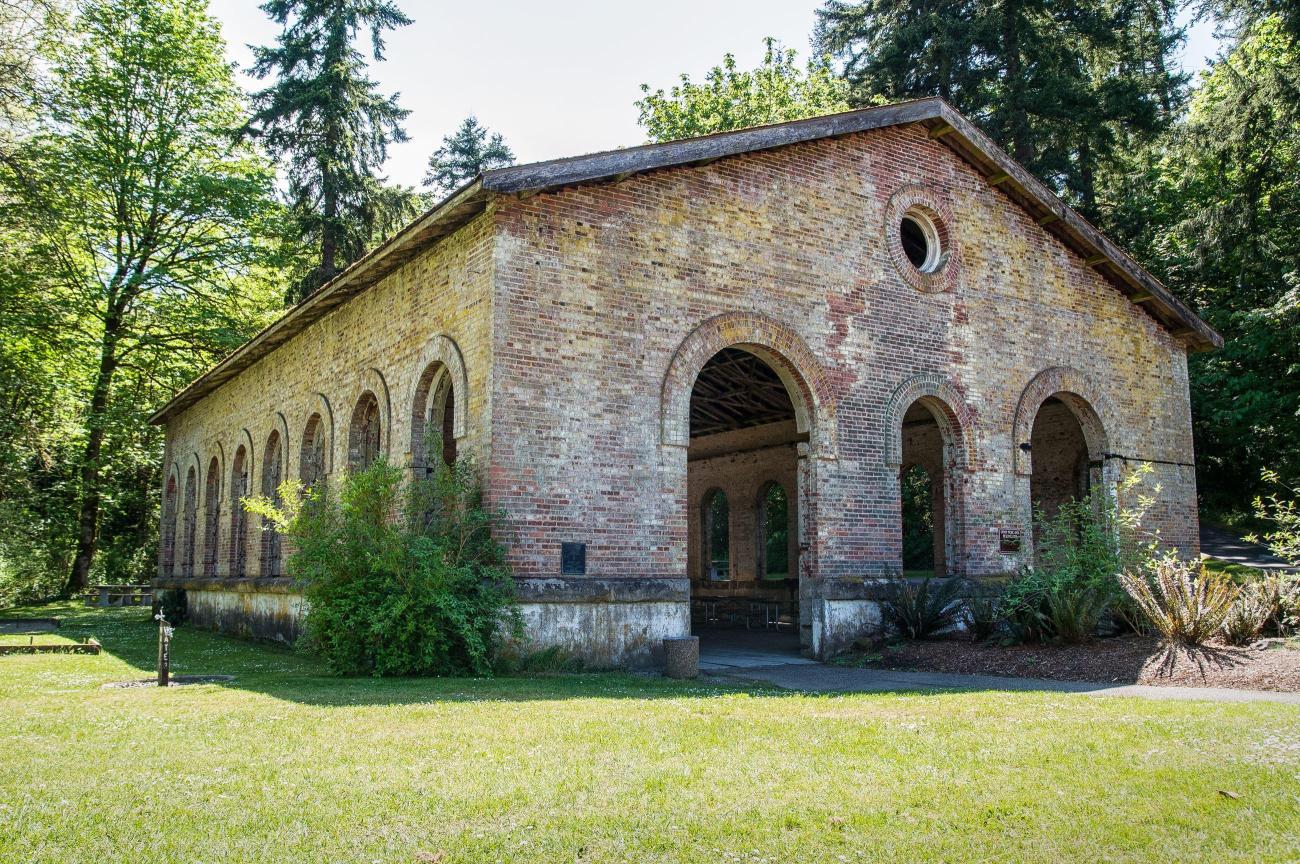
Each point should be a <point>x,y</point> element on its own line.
<point>1089,405</point>
<point>956,421</point>
<point>441,365</point>
<point>779,345</point>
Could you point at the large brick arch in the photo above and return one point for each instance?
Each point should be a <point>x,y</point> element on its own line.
<point>779,345</point>
<point>1090,406</point>
<point>955,419</point>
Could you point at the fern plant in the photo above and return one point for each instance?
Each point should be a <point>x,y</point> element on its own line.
<point>1184,602</point>
<point>920,609</point>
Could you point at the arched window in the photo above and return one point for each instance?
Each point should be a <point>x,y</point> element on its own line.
<point>271,477</point>
<point>717,536</point>
<point>918,518</point>
<point>311,468</point>
<point>211,517</point>
<point>434,411</point>
<point>238,517</point>
<point>774,531</point>
<point>364,433</point>
<point>167,530</point>
<point>189,523</point>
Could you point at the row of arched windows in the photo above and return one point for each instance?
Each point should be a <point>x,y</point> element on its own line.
<point>771,535</point>
<point>434,410</point>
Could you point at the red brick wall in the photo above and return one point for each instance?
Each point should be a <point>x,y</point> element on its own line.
<point>597,287</point>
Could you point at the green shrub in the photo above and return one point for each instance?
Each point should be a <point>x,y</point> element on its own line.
<point>173,605</point>
<point>1079,552</point>
<point>920,609</point>
<point>1183,601</point>
<point>400,578</point>
<point>982,614</point>
<point>1282,509</point>
<point>1252,609</point>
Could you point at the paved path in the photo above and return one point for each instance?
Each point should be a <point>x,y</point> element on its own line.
<point>774,659</point>
<point>1226,546</point>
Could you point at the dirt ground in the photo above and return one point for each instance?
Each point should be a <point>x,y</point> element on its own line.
<point>1270,664</point>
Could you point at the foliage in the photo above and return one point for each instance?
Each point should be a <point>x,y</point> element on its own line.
<point>139,254</point>
<point>982,614</point>
<point>1227,208</point>
<point>173,605</point>
<point>326,118</point>
<point>1183,601</point>
<point>918,519</point>
<point>921,608</point>
<point>464,155</point>
<point>399,578</point>
<point>1078,554</point>
<point>1064,87</point>
<point>730,98</point>
<point>1284,514</point>
<point>1254,606</point>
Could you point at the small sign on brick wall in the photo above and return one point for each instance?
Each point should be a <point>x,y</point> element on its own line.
<point>573,559</point>
<point>1010,540</point>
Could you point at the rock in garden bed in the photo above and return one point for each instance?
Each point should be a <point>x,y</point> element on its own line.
<point>1270,664</point>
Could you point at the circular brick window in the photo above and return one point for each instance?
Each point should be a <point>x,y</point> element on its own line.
<point>920,242</point>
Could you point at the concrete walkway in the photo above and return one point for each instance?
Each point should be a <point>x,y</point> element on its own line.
<point>773,658</point>
<point>1226,546</point>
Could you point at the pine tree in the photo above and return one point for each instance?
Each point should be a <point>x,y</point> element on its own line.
<point>1061,86</point>
<point>327,117</point>
<point>465,154</point>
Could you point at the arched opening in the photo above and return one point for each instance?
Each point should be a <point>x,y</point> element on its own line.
<point>211,517</point>
<point>272,466</point>
<point>1063,470</point>
<point>434,411</point>
<point>364,434</point>
<point>189,523</point>
<point>311,463</point>
<point>716,533</point>
<point>742,461</point>
<point>238,516</point>
<point>774,529</point>
<point>923,483</point>
<point>167,529</point>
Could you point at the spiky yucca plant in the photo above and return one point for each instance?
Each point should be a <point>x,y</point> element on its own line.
<point>1184,602</point>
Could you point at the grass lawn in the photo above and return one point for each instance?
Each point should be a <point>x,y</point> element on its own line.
<point>287,764</point>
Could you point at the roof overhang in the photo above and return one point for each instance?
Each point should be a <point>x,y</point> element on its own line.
<point>940,119</point>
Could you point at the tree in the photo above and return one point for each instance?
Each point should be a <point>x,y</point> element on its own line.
<point>327,117</point>
<point>1063,87</point>
<point>464,155</point>
<point>776,91</point>
<point>143,218</point>
<point>1233,249</point>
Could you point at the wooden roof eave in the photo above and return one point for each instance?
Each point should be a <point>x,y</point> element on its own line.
<point>444,218</point>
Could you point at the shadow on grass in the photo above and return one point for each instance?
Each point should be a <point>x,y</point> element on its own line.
<point>281,672</point>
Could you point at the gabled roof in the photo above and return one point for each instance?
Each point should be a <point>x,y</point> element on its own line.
<point>942,121</point>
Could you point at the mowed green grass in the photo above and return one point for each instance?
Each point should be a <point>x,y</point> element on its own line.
<point>290,765</point>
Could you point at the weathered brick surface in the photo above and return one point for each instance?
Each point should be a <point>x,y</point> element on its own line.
<point>583,315</point>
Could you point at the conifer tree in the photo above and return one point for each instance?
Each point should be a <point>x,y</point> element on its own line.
<point>327,118</point>
<point>1063,87</point>
<point>465,154</point>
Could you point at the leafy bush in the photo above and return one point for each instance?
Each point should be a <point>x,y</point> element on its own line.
<point>1079,553</point>
<point>1183,601</point>
<point>922,608</point>
<point>173,605</point>
<point>1281,509</point>
<point>982,614</point>
<point>399,578</point>
<point>1252,609</point>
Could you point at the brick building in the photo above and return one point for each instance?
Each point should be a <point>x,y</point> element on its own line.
<point>693,374</point>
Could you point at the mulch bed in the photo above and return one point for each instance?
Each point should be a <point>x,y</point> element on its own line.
<point>1269,664</point>
<point>174,681</point>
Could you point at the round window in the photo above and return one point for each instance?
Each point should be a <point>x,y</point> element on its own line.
<point>920,239</point>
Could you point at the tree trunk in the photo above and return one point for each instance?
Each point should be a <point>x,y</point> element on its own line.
<point>88,518</point>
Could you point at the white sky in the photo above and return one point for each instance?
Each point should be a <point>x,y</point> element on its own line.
<point>557,77</point>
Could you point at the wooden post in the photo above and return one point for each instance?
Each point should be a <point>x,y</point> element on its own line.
<point>164,651</point>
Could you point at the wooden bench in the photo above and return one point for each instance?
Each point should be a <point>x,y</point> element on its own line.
<point>119,595</point>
